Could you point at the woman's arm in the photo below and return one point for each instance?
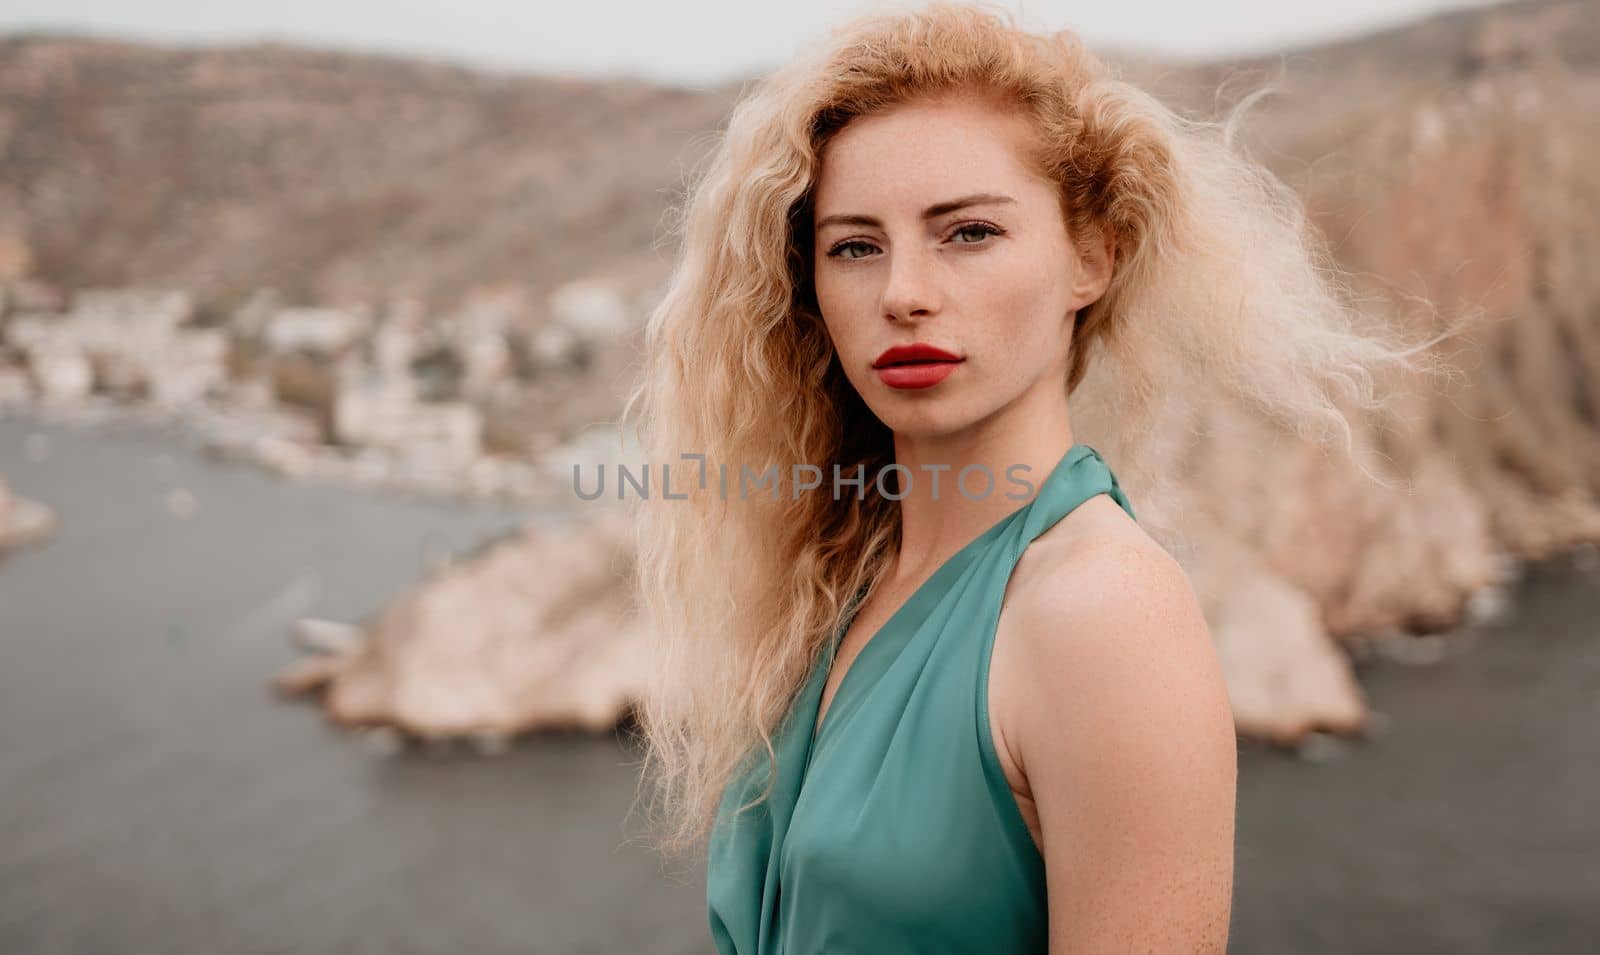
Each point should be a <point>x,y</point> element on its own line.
<point>1125,735</point>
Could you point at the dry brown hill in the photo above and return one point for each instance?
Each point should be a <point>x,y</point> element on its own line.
<point>329,175</point>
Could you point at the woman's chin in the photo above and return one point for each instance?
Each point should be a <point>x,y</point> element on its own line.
<point>931,420</point>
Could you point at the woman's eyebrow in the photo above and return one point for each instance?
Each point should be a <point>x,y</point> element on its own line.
<point>932,212</point>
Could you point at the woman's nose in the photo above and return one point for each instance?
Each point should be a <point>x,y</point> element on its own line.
<point>909,293</point>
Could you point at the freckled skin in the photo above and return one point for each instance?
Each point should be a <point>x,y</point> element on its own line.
<point>1108,707</point>
<point>1004,302</point>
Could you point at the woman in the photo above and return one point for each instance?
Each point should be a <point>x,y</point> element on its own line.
<point>911,715</point>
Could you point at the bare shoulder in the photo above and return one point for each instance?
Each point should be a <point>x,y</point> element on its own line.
<point>1097,610</point>
<point>1092,550</point>
<point>1109,707</point>
<point>1097,566</point>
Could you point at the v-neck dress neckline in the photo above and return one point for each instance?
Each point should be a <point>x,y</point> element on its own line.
<point>879,650</point>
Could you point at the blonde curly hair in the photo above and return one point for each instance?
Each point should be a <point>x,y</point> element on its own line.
<point>1220,282</point>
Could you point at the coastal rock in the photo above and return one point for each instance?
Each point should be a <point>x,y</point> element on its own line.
<point>22,522</point>
<point>533,630</point>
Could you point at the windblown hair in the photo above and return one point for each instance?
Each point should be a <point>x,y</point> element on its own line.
<point>1218,278</point>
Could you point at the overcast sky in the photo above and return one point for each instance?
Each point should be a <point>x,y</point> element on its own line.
<point>688,41</point>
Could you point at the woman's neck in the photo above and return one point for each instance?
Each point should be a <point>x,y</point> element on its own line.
<point>1016,447</point>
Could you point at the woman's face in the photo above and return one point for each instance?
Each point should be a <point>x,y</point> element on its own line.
<point>932,229</point>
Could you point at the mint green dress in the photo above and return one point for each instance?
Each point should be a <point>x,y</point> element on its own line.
<point>894,830</point>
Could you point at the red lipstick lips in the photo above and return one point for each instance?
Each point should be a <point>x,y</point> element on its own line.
<point>915,366</point>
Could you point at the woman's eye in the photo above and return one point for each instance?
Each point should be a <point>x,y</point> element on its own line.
<point>978,230</point>
<point>983,231</point>
<point>839,250</point>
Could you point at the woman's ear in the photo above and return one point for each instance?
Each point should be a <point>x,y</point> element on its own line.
<point>1096,260</point>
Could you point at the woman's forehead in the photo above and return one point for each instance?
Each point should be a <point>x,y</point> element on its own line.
<point>920,156</point>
